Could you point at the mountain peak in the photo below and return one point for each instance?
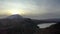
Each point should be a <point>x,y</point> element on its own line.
<point>16,16</point>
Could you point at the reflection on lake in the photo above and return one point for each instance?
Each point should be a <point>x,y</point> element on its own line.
<point>45,25</point>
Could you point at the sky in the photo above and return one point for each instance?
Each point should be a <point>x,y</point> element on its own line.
<point>35,9</point>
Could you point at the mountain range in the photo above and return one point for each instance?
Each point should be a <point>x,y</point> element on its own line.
<point>16,20</point>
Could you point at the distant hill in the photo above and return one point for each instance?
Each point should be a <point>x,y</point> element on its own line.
<point>53,20</point>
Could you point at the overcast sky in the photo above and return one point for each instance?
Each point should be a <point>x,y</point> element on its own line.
<point>37,9</point>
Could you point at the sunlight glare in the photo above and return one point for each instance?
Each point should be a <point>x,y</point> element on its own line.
<point>13,12</point>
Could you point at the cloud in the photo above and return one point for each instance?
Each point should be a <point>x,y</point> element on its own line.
<point>34,8</point>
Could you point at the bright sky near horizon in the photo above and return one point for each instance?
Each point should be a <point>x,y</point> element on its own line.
<point>37,9</point>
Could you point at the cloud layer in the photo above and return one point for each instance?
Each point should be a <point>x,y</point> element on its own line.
<point>37,9</point>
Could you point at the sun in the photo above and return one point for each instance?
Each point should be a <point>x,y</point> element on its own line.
<point>13,12</point>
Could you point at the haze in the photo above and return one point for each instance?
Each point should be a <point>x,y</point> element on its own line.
<point>36,9</point>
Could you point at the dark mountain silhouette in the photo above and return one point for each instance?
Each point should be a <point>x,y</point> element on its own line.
<point>15,20</point>
<point>53,20</point>
<point>18,24</point>
<point>18,19</point>
<point>16,16</point>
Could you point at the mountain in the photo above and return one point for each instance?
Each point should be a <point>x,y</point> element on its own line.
<point>11,21</point>
<point>17,22</point>
<point>16,16</point>
<point>53,20</point>
<point>16,19</point>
